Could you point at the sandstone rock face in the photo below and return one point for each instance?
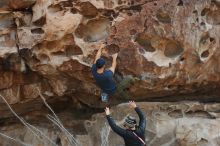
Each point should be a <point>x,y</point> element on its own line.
<point>168,53</point>
<point>169,47</point>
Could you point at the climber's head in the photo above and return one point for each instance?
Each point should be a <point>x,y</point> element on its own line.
<point>100,63</point>
<point>130,123</point>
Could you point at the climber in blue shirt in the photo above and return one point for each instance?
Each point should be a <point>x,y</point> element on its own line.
<point>103,76</point>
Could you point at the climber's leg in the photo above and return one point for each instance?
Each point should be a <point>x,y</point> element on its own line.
<point>104,97</point>
<point>123,85</point>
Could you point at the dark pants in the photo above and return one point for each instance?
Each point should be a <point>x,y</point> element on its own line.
<point>122,86</point>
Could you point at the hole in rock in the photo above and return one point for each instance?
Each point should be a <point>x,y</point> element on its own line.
<point>10,62</point>
<point>43,57</point>
<point>129,14</point>
<point>180,3</point>
<point>205,11</point>
<point>119,2</point>
<point>96,30</point>
<point>112,49</point>
<point>170,86</point>
<point>163,17</point>
<point>37,31</point>
<point>199,113</point>
<point>54,8</point>
<point>135,8</point>
<point>145,41</point>
<point>58,141</point>
<point>155,4</point>
<point>19,5</point>
<point>89,124</point>
<point>211,39</point>
<point>25,53</point>
<point>41,21</point>
<point>213,17</point>
<point>172,49</point>
<point>182,59</point>
<point>205,54</point>
<point>109,13</point>
<point>141,50</point>
<point>127,89</point>
<point>195,11</point>
<point>176,113</point>
<point>110,19</point>
<point>88,10</point>
<point>202,23</point>
<point>204,140</point>
<point>73,50</point>
<point>133,32</point>
<point>74,10</point>
<point>109,3</point>
<point>66,4</point>
<point>6,65</point>
<point>59,53</point>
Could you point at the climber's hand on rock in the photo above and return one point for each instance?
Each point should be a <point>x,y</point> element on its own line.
<point>132,104</point>
<point>105,52</point>
<point>107,111</point>
<point>102,46</point>
<point>114,56</point>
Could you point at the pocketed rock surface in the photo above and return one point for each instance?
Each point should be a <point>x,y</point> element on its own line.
<point>170,48</point>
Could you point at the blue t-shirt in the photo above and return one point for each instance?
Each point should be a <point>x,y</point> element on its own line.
<point>104,80</point>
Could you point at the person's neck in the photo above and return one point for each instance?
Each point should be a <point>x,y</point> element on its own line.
<point>101,70</point>
<point>131,129</point>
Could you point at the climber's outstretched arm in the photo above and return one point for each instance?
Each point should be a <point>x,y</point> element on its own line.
<point>113,125</point>
<point>114,63</point>
<point>142,122</point>
<point>99,53</point>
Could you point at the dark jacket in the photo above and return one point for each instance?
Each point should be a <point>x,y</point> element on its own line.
<point>129,138</point>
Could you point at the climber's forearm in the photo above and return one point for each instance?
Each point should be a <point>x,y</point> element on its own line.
<point>114,64</point>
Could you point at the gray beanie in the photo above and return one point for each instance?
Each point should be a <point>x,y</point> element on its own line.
<point>130,122</point>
